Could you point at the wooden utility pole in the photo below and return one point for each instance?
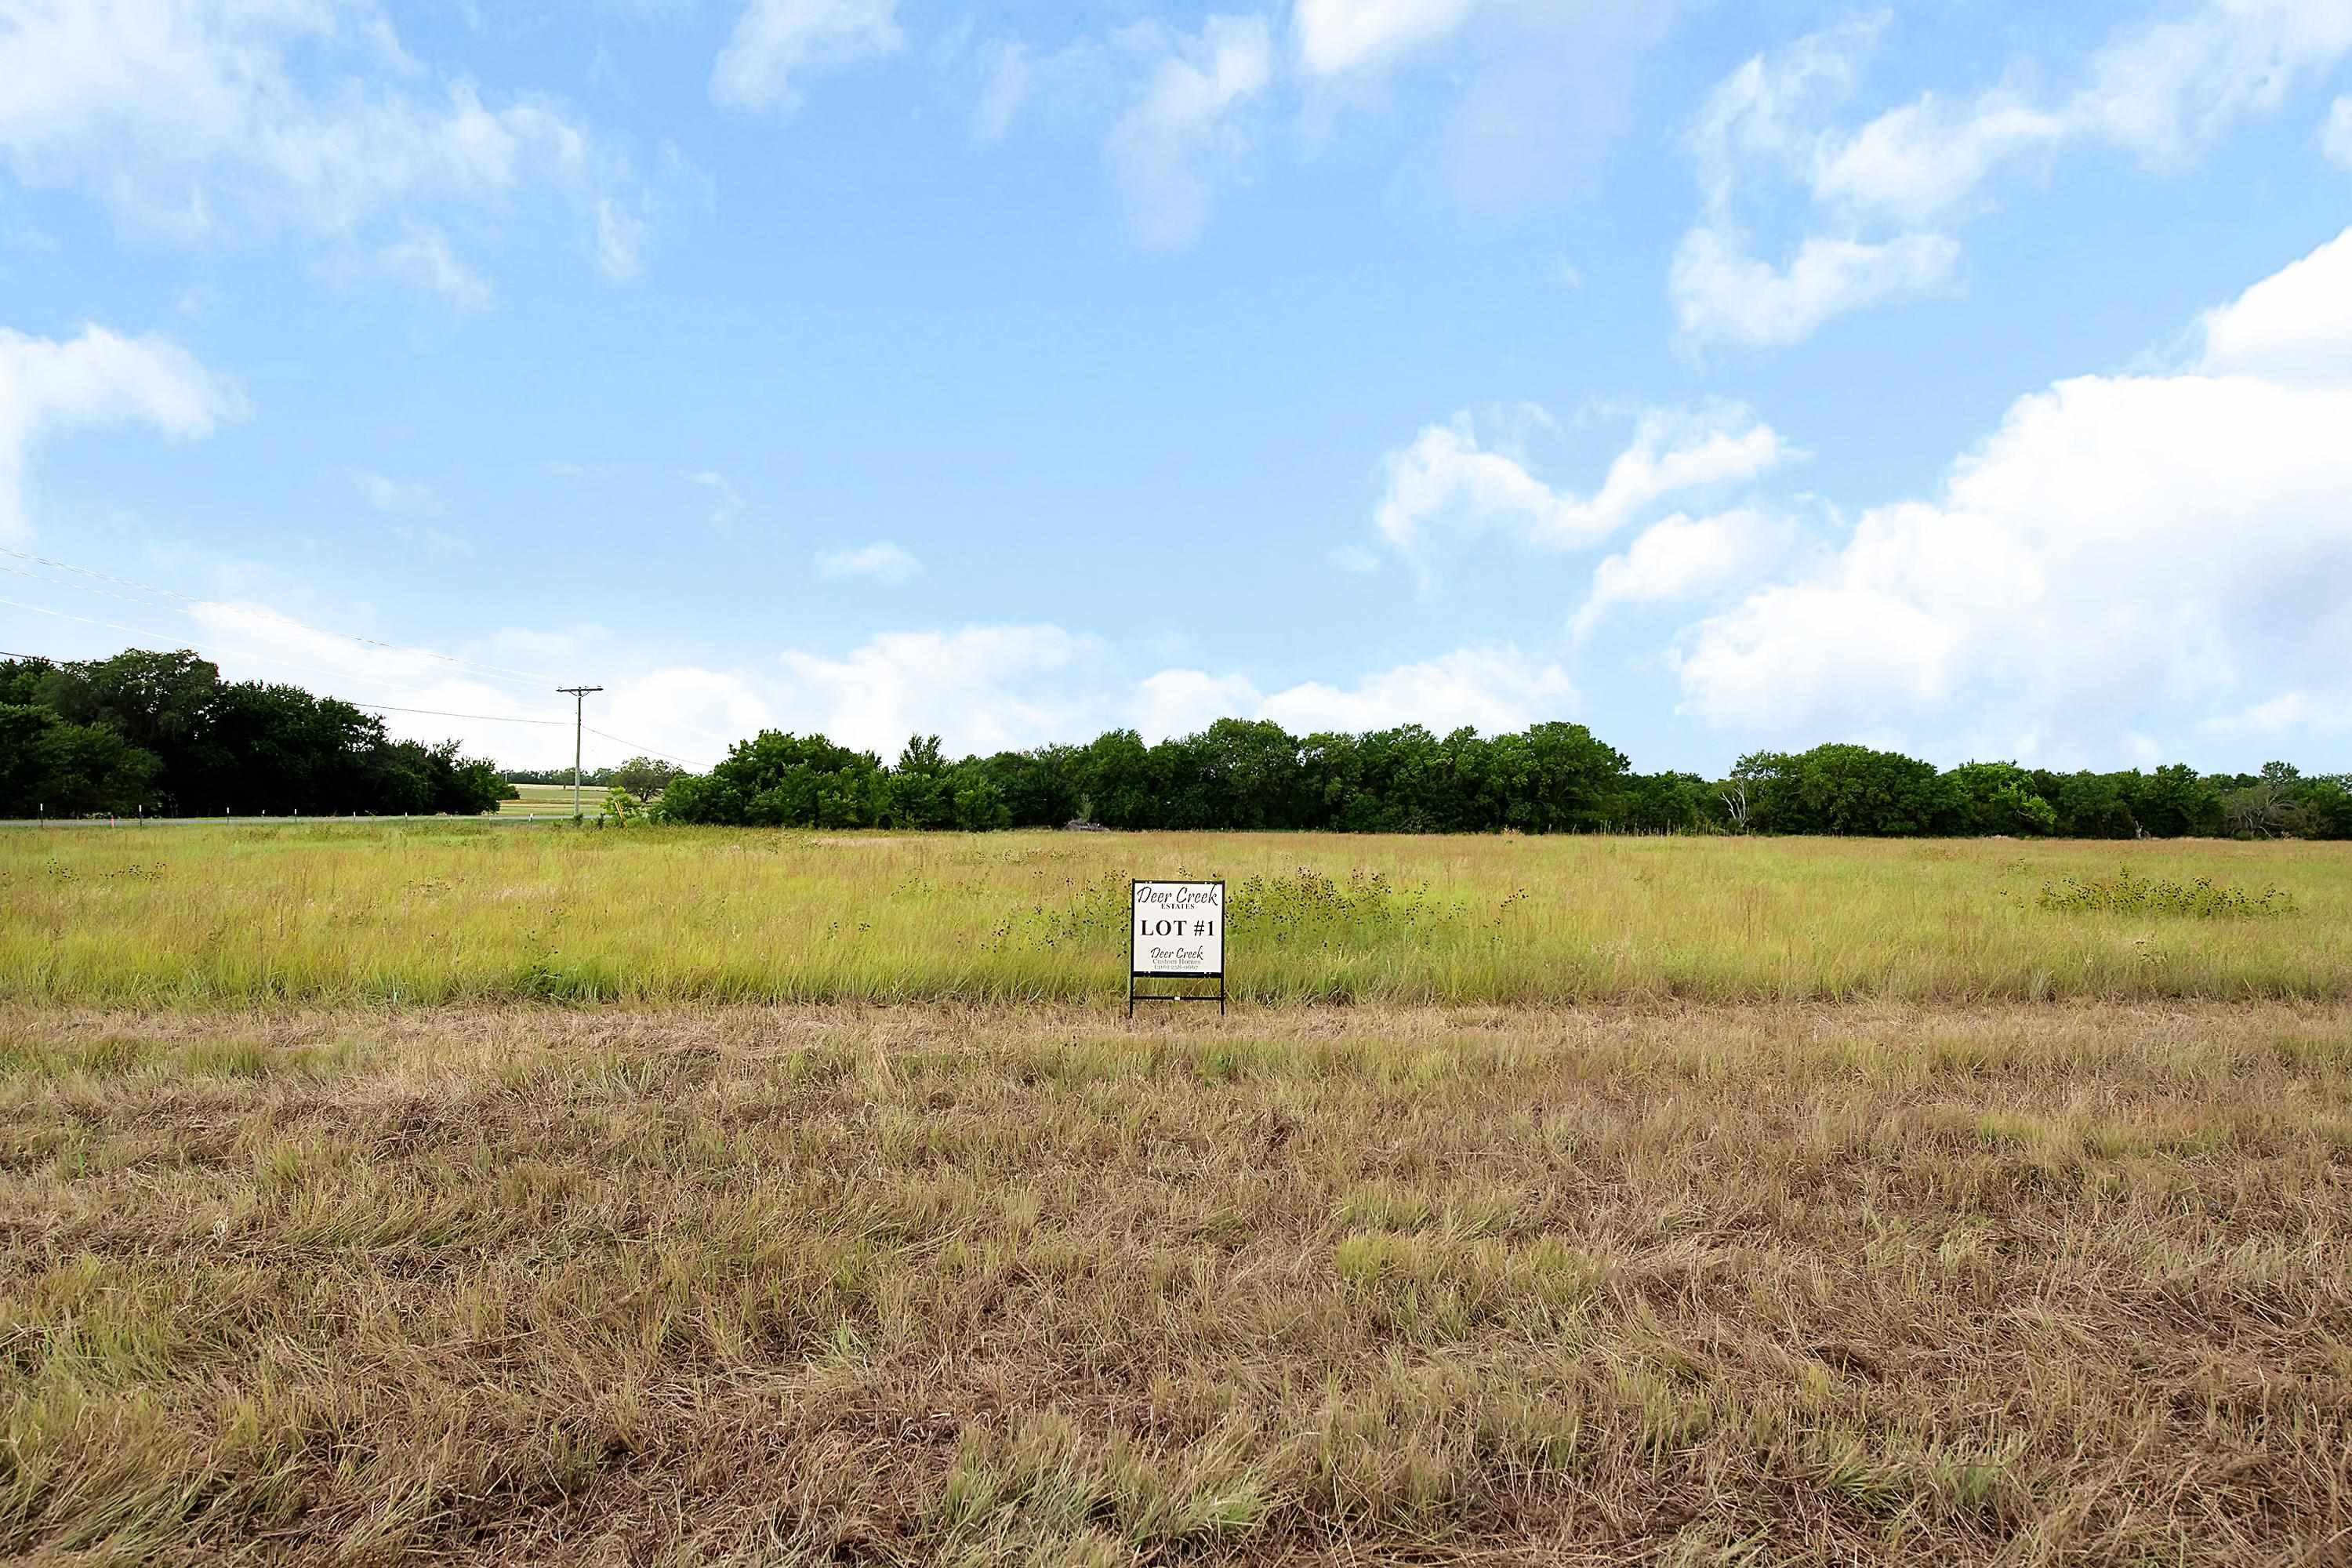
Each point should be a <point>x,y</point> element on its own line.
<point>579,695</point>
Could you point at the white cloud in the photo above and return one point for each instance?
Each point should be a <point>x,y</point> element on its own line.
<point>208,120</point>
<point>1721,293</point>
<point>2159,92</point>
<point>1766,114</point>
<point>423,259</point>
<point>2126,555</point>
<point>491,710</point>
<point>882,561</point>
<point>1917,163</point>
<point>620,240</point>
<point>1444,479</point>
<point>1187,701</point>
<point>1673,558</point>
<point>394,498</point>
<point>1355,558</point>
<point>776,40</point>
<point>2294,325</point>
<point>2287,710</point>
<point>2165,90</point>
<point>1161,150</point>
<point>2336,135</point>
<point>98,379</point>
<point>982,688</point>
<point>1344,35</point>
<point>1493,687</point>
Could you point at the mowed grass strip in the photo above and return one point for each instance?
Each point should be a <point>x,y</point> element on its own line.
<point>454,912</point>
<point>2017,1285</point>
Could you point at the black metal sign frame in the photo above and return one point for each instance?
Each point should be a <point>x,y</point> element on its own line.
<point>1134,974</point>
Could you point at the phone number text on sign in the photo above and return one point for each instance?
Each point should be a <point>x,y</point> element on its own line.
<point>1180,927</point>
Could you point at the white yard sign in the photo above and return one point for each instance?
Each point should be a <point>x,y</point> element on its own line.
<point>1178,932</point>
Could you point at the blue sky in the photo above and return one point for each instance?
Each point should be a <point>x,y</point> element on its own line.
<point>1970,378</point>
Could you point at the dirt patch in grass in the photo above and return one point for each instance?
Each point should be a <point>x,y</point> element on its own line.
<point>1804,1283</point>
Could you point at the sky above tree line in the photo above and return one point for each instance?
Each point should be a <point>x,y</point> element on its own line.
<point>1968,380</point>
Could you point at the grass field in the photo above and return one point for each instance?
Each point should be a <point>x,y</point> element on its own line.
<point>434,913</point>
<point>2017,1285</point>
<point>433,1194</point>
<point>552,800</point>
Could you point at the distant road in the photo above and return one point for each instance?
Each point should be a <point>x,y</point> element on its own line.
<point>135,822</point>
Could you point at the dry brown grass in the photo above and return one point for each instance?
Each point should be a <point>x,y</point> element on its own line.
<point>1810,1284</point>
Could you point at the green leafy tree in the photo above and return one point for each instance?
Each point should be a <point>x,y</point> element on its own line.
<point>51,767</point>
<point>644,777</point>
<point>917,792</point>
<point>1843,789</point>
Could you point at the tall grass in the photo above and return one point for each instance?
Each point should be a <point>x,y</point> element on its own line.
<point>433,912</point>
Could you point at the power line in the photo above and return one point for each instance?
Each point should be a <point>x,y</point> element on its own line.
<point>85,620</point>
<point>438,713</point>
<point>641,746</point>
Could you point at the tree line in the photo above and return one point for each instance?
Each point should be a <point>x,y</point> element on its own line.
<point>1548,778</point>
<point>162,734</point>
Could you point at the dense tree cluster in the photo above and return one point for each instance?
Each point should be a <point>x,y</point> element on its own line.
<point>1551,778</point>
<point>163,733</point>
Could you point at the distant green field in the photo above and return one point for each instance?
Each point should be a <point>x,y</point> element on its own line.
<point>442,912</point>
<point>552,800</point>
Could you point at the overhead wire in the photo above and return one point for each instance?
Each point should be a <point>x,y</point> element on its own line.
<point>648,751</point>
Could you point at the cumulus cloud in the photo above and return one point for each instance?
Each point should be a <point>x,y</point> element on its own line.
<point>882,561</point>
<point>1883,191</point>
<point>1492,688</point>
<point>1334,36</point>
<point>491,708</point>
<point>1446,480</point>
<point>2126,555</point>
<point>2293,326</point>
<point>775,41</point>
<point>1165,147</point>
<point>1186,702</point>
<point>2336,135</point>
<point>982,688</point>
<point>209,119</point>
<point>1674,558</point>
<point>98,379</point>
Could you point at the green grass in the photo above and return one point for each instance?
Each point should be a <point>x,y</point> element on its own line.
<point>436,912</point>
